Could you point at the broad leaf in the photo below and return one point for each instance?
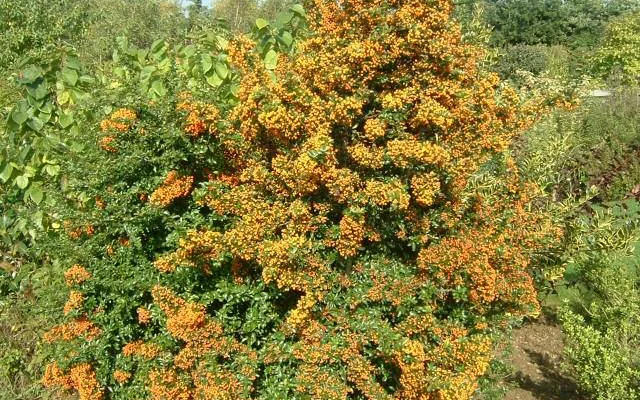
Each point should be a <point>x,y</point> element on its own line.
<point>261,23</point>
<point>22,181</point>
<point>271,59</point>
<point>69,76</point>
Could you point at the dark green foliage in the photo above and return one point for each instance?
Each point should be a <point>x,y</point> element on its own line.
<point>574,23</point>
<point>523,57</point>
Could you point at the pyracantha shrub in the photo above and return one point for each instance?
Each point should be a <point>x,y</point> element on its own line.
<point>324,236</point>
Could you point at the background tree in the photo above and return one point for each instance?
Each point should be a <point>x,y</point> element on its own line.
<point>574,23</point>
<point>620,49</point>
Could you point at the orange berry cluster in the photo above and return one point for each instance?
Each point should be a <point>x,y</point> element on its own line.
<point>77,328</point>
<point>119,121</point>
<point>201,117</point>
<point>81,378</point>
<point>76,275</point>
<point>173,187</point>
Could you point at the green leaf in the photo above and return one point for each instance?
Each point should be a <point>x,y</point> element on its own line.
<point>284,18</point>
<point>6,173</point>
<point>30,75</point>
<point>77,147</point>
<point>234,89</point>
<point>286,38</point>
<point>36,194</point>
<point>142,55</point>
<point>146,72</point>
<point>22,181</point>
<point>35,124</point>
<point>189,51</point>
<point>64,97</point>
<point>75,130</point>
<point>271,59</point>
<point>46,108</point>
<point>86,79</point>
<point>222,42</point>
<point>41,91</point>
<point>52,169</point>
<point>207,63</point>
<point>222,70</point>
<point>214,80</point>
<point>29,171</point>
<point>261,23</point>
<point>74,63</point>
<point>35,104</point>
<point>19,117</point>
<point>38,218</point>
<point>298,9</point>
<point>65,119</point>
<point>157,46</point>
<point>158,87</point>
<point>69,76</point>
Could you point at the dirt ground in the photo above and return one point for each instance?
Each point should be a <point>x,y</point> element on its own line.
<point>536,357</point>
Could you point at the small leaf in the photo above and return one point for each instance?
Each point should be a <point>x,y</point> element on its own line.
<point>41,91</point>
<point>30,75</point>
<point>284,18</point>
<point>35,124</point>
<point>19,117</point>
<point>298,9</point>
<point>36,194</point>
<point>47,108</point>
<point>52,169</point>
<point>189,51</point>
<point>64,97</point>
<point>158,88</point>
<point>6,173</point>
<point>261,23</point>
<point>74,63</point>
<point>234,89</point>
<point>222,70</point>
<point>271,59</point>
<point>286,38</point>
<point>222,42</point>
<point>142,55</point>
<point>146,72</point>
<point>214,80</point>
<point>207,63</point>
<point>86,79</point>
<point>69,76</point>
<point>157,46</point>
<point>65,120</point>
<point>77,147</point>
<point>22,181</point>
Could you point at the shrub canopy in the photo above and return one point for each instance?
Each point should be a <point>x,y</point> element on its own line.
<point>334,221</point>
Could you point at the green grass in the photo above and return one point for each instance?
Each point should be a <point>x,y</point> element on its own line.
<point>25,313</point>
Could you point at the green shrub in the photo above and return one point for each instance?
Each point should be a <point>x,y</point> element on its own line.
<point>618,52</point>
<point>601,320</point>
<point>300,214</point>
<point>593,145</point>
<point>553,61</point>
<point>522,57</point>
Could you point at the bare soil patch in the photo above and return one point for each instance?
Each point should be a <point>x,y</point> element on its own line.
<point>536,358</point>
